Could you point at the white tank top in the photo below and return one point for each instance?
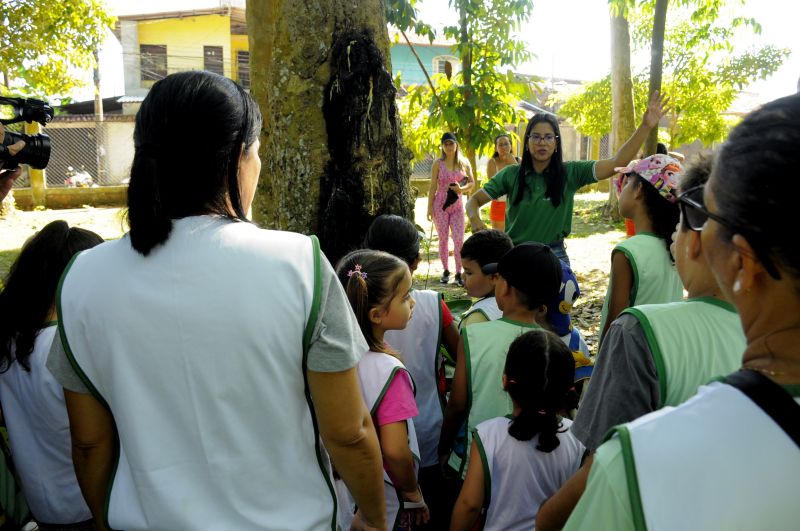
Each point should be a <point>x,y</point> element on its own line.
<point>418,344</point>
<point>38,432</point>
<point>520,477</point>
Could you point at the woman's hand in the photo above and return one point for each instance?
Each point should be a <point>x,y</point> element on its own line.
<point>657,107</point>
<point>430,212</point>
<point>358,524</point>
<point>7,177</point>
<point>455,187</point>
<point>419,515</point>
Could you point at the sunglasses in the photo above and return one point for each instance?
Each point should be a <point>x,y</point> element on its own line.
<point>695,215</point>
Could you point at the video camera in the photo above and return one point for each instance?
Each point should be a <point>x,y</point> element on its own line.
<point>36,152</point>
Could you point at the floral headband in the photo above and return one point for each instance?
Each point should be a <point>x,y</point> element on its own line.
<point>357,271</point>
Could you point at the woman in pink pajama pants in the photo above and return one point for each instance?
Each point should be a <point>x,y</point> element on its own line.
<point>451,172</point>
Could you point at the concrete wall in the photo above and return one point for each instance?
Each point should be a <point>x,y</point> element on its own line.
<point>185,38</point>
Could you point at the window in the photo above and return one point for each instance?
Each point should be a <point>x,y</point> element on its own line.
<point>212,59</point>
<point>153,61</point>
<point>440,63</point>
<point>243,68</point>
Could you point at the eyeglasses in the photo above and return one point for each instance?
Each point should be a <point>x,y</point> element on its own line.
<point>536,138</point>
<point>695,215</point>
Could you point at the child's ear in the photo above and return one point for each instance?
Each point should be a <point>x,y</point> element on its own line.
<point>505,382</point>
<point>375,315</point>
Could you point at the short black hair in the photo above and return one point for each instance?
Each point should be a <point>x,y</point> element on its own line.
<point>395,235</point>
<point>696,173</point>
<point>486,246</point>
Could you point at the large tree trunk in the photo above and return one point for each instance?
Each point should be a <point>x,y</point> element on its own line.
<point>656,64</point>
<point>622,120</point>
<point>333,157</point>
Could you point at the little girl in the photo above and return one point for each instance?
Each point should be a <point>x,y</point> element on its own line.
<point>642,268</point>
<point>451,176</point>
<point>33,401</point>
<point>378,285</point>
<point>517,463</point>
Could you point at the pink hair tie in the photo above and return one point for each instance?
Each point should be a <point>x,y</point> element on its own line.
<point>357,271</point>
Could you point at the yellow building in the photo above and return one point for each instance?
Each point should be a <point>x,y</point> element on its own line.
<point>157,44</point>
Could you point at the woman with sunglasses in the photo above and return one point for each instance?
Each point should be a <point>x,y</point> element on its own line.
<point>657,355</point>
<point>728,458</point>
<point>541,189</point>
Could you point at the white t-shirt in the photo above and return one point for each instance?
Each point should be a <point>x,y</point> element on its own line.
<point>38,432</point>
<point>522,477</point>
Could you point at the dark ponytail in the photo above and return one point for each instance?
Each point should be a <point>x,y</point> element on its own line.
<point>370,279</point>
<point>540,372</point>
<point>554,175</point>
<point>663,214</point>
<point>30,287</point>
<point>189,136</point>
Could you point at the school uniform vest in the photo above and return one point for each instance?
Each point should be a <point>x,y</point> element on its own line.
<point>692,342</point>
<point>375,373</point>
<point>199,352</point>
<point>487,307</point>
<point>655,279</point>
<point>517,477</point>
<point>716,462</point>
<point>485,349</point>
<point>418,345</point>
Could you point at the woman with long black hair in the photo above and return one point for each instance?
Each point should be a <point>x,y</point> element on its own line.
<point>541,190</point>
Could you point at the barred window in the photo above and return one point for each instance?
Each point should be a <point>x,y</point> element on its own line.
<point>243,68</point>
<point>153,61</point>
<point>212,59</point>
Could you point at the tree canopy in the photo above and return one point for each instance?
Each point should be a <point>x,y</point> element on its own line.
<point>703,73</point>
<point>44,45</point>
<point>477,102</point>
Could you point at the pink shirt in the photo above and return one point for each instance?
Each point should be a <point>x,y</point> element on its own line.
<point>398,403</point>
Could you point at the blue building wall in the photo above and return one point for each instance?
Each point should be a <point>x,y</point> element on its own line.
<point>403,61</point>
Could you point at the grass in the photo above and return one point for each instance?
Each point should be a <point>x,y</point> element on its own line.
<point>589,217</point>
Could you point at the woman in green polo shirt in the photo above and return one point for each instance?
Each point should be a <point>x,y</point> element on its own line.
<point>541,189</point>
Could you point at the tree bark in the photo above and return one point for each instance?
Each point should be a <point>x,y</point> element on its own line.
<point>656,63</point>
<point>333,157</point>
<point>622,120</point>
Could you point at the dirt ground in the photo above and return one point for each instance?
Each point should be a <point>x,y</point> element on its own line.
<point>589,249</point>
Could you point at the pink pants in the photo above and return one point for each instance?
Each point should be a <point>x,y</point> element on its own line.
<point>446,221</point>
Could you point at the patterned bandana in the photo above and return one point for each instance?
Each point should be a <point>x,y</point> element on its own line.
<point>662,171</point>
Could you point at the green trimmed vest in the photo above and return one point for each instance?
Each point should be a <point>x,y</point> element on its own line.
<point>655,279</point>
<point>376,371</point>
<point>692,342</point>
<point>485,349</point>
<point>199,352</point>
<point>418,345</point>
<point>717,461</point>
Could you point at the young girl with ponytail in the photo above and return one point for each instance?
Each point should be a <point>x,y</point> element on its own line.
<point>517,463</point>
<point>378,286</point>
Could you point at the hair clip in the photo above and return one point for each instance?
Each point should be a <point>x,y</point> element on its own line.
<point>357,271</point>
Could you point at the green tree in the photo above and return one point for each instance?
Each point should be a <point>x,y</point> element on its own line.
<point>44,44</point>
<point>481,99</point>
<point>703,73</point>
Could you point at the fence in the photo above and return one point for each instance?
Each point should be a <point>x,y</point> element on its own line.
<point>86,152</point>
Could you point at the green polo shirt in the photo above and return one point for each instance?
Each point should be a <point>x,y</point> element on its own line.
<point>535,218</point>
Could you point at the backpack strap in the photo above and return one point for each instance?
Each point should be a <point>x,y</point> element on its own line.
<point>771,398</point>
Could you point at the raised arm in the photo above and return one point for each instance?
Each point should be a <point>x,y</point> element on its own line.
<point>656,108</point>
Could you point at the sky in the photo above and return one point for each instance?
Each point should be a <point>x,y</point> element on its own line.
<point>570,38</point>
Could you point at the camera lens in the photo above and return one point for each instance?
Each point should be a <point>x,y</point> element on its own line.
<point>36,152</point>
